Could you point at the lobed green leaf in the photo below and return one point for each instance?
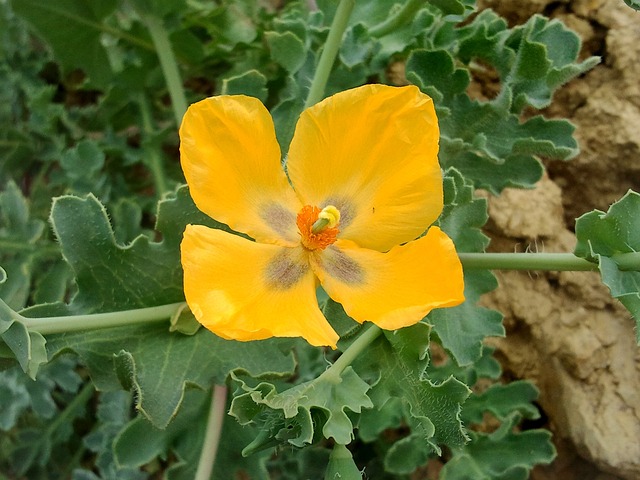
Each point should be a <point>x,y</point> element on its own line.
<point>462,329</point>
<point>294,415</point>
<point>395,366</point>
<point>603,235</point>
<point>501,455</point>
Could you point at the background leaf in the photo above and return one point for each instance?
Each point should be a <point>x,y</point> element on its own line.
<point>77,45</point>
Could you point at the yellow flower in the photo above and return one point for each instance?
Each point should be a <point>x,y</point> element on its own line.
<point>363,183</point>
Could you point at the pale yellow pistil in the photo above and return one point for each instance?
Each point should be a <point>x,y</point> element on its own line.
<point>329,217</point>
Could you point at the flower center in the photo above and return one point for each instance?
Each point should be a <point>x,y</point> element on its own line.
<point>318,228</point>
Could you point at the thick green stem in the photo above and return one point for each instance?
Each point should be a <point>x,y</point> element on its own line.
<point>168,64</point>
<point>330,51</point>
<point>400,18</point>
<point>212,435</point>
<point>543,261</point>
<point>365,339</point>
<point>153,154</point>
<point>50,325</point>
<point>485,261</point>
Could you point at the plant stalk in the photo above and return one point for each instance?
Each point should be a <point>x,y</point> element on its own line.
<point>329,53</point>
<point>74,323</point>
<point>543,261</point>
<point>485,261</point>
<point>212,435</point>
<point>365,339</point>
<point>168,64</point>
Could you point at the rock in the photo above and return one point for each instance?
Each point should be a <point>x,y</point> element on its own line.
<point>566,333</point>
<point>512,215</point>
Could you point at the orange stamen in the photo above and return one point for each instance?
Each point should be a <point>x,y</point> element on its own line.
<point>314,241</point>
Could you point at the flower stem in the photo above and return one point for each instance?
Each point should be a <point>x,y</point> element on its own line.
<point>365,339</point>
<point>330,51</point>
<point>213,433</point>
<point>401,17</point>
<point>543,261</point>
<point>484,261</point>
<point>74,323</point>
<point>153,155</point>
<point>168,64</point>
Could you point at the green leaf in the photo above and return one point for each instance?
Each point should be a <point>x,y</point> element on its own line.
<point>435,73</point>
<point>501,455</point>
<point>395,365</point>
<point>285,114</point>
<point>343,324</point>
<point>487,141</point>
<point>22,395</point>
<point>357,46</point>
<point>286,49</point>
<point>545,60</point>
<point>109,276</point>
<point>462,329</point>
<point>184,321</point>
<point>603,235</point>
<point>252,83</point>
<point>502,401</point>
<point>83,159</point>
<point>158,365</point>
<point>19,234</point>
<point>490,132</point>
<point>454,7</point>
<point>463,215</point>
<point>139,441</point>
<point>27,347</point>
<point>341,465</point>
<point>233,22</point>
<point>504,453</point>
<point>35,449</point>
<point>15,397</point>
<point>231,459</point>
<point>159,8</point>
<point>635,4</point>
<point>78,44</point>
<point>113,413</point>
<point>294,415</point>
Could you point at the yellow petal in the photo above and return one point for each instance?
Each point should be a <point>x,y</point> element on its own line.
<point>373,153</point>
<point>245,290</point>
<point>394,289</point>
<point>231,161</point>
